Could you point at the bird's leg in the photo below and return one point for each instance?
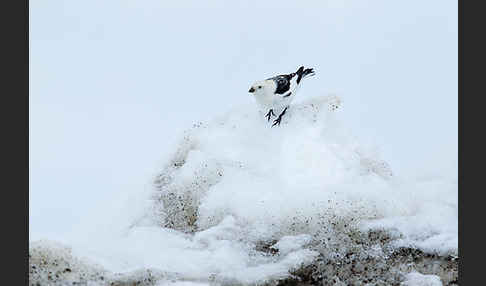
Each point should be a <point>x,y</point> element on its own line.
<point>269,114</point>
<point>279,118</point>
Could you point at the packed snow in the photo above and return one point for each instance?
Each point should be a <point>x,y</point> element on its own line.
<point>418,279</point>
<point>239,201</point>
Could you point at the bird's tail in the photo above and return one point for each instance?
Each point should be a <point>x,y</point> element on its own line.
<point>302,73</point>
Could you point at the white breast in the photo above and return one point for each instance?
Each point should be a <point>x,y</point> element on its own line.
<point>266,97</point>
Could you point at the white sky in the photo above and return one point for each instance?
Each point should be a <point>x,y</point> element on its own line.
<point>112,83</point>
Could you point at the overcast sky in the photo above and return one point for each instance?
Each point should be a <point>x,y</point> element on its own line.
<point>113,83</point>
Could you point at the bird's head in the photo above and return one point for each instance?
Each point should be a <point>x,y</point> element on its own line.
<point>260,87</point>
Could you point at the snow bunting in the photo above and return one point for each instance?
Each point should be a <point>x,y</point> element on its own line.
<point>276,93</point>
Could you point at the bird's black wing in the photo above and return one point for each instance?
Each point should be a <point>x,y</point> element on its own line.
<point>283,82</point>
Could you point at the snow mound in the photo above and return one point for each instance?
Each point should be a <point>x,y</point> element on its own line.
<point>239,165</point>
<point>242,202</point>
<point>309,175</point>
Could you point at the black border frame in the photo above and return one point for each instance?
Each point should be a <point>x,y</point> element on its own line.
<point>15,121</point>
<point>15,118</point>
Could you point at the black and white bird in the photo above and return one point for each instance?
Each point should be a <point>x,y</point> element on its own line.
<point>276,93</point>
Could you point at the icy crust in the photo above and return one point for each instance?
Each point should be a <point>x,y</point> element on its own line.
<point>418,279</point>
<point>51,263</point>
<point>205,259</point>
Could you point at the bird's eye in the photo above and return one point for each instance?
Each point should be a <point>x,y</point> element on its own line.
<point>259,86</point>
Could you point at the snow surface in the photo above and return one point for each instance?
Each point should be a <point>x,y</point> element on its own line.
<point>235,182</point>
<point>181,283</point>
<point>418,279</point>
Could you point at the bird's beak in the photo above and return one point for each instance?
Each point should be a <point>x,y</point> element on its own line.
<point>251,89</point>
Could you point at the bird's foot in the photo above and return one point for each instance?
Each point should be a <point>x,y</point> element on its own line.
<point>269,114</point>
<point>279,118</point>
<point>277,121</point>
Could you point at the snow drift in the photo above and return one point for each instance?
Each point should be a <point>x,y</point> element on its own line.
<point>310,175</point>
<point>240,202</point>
